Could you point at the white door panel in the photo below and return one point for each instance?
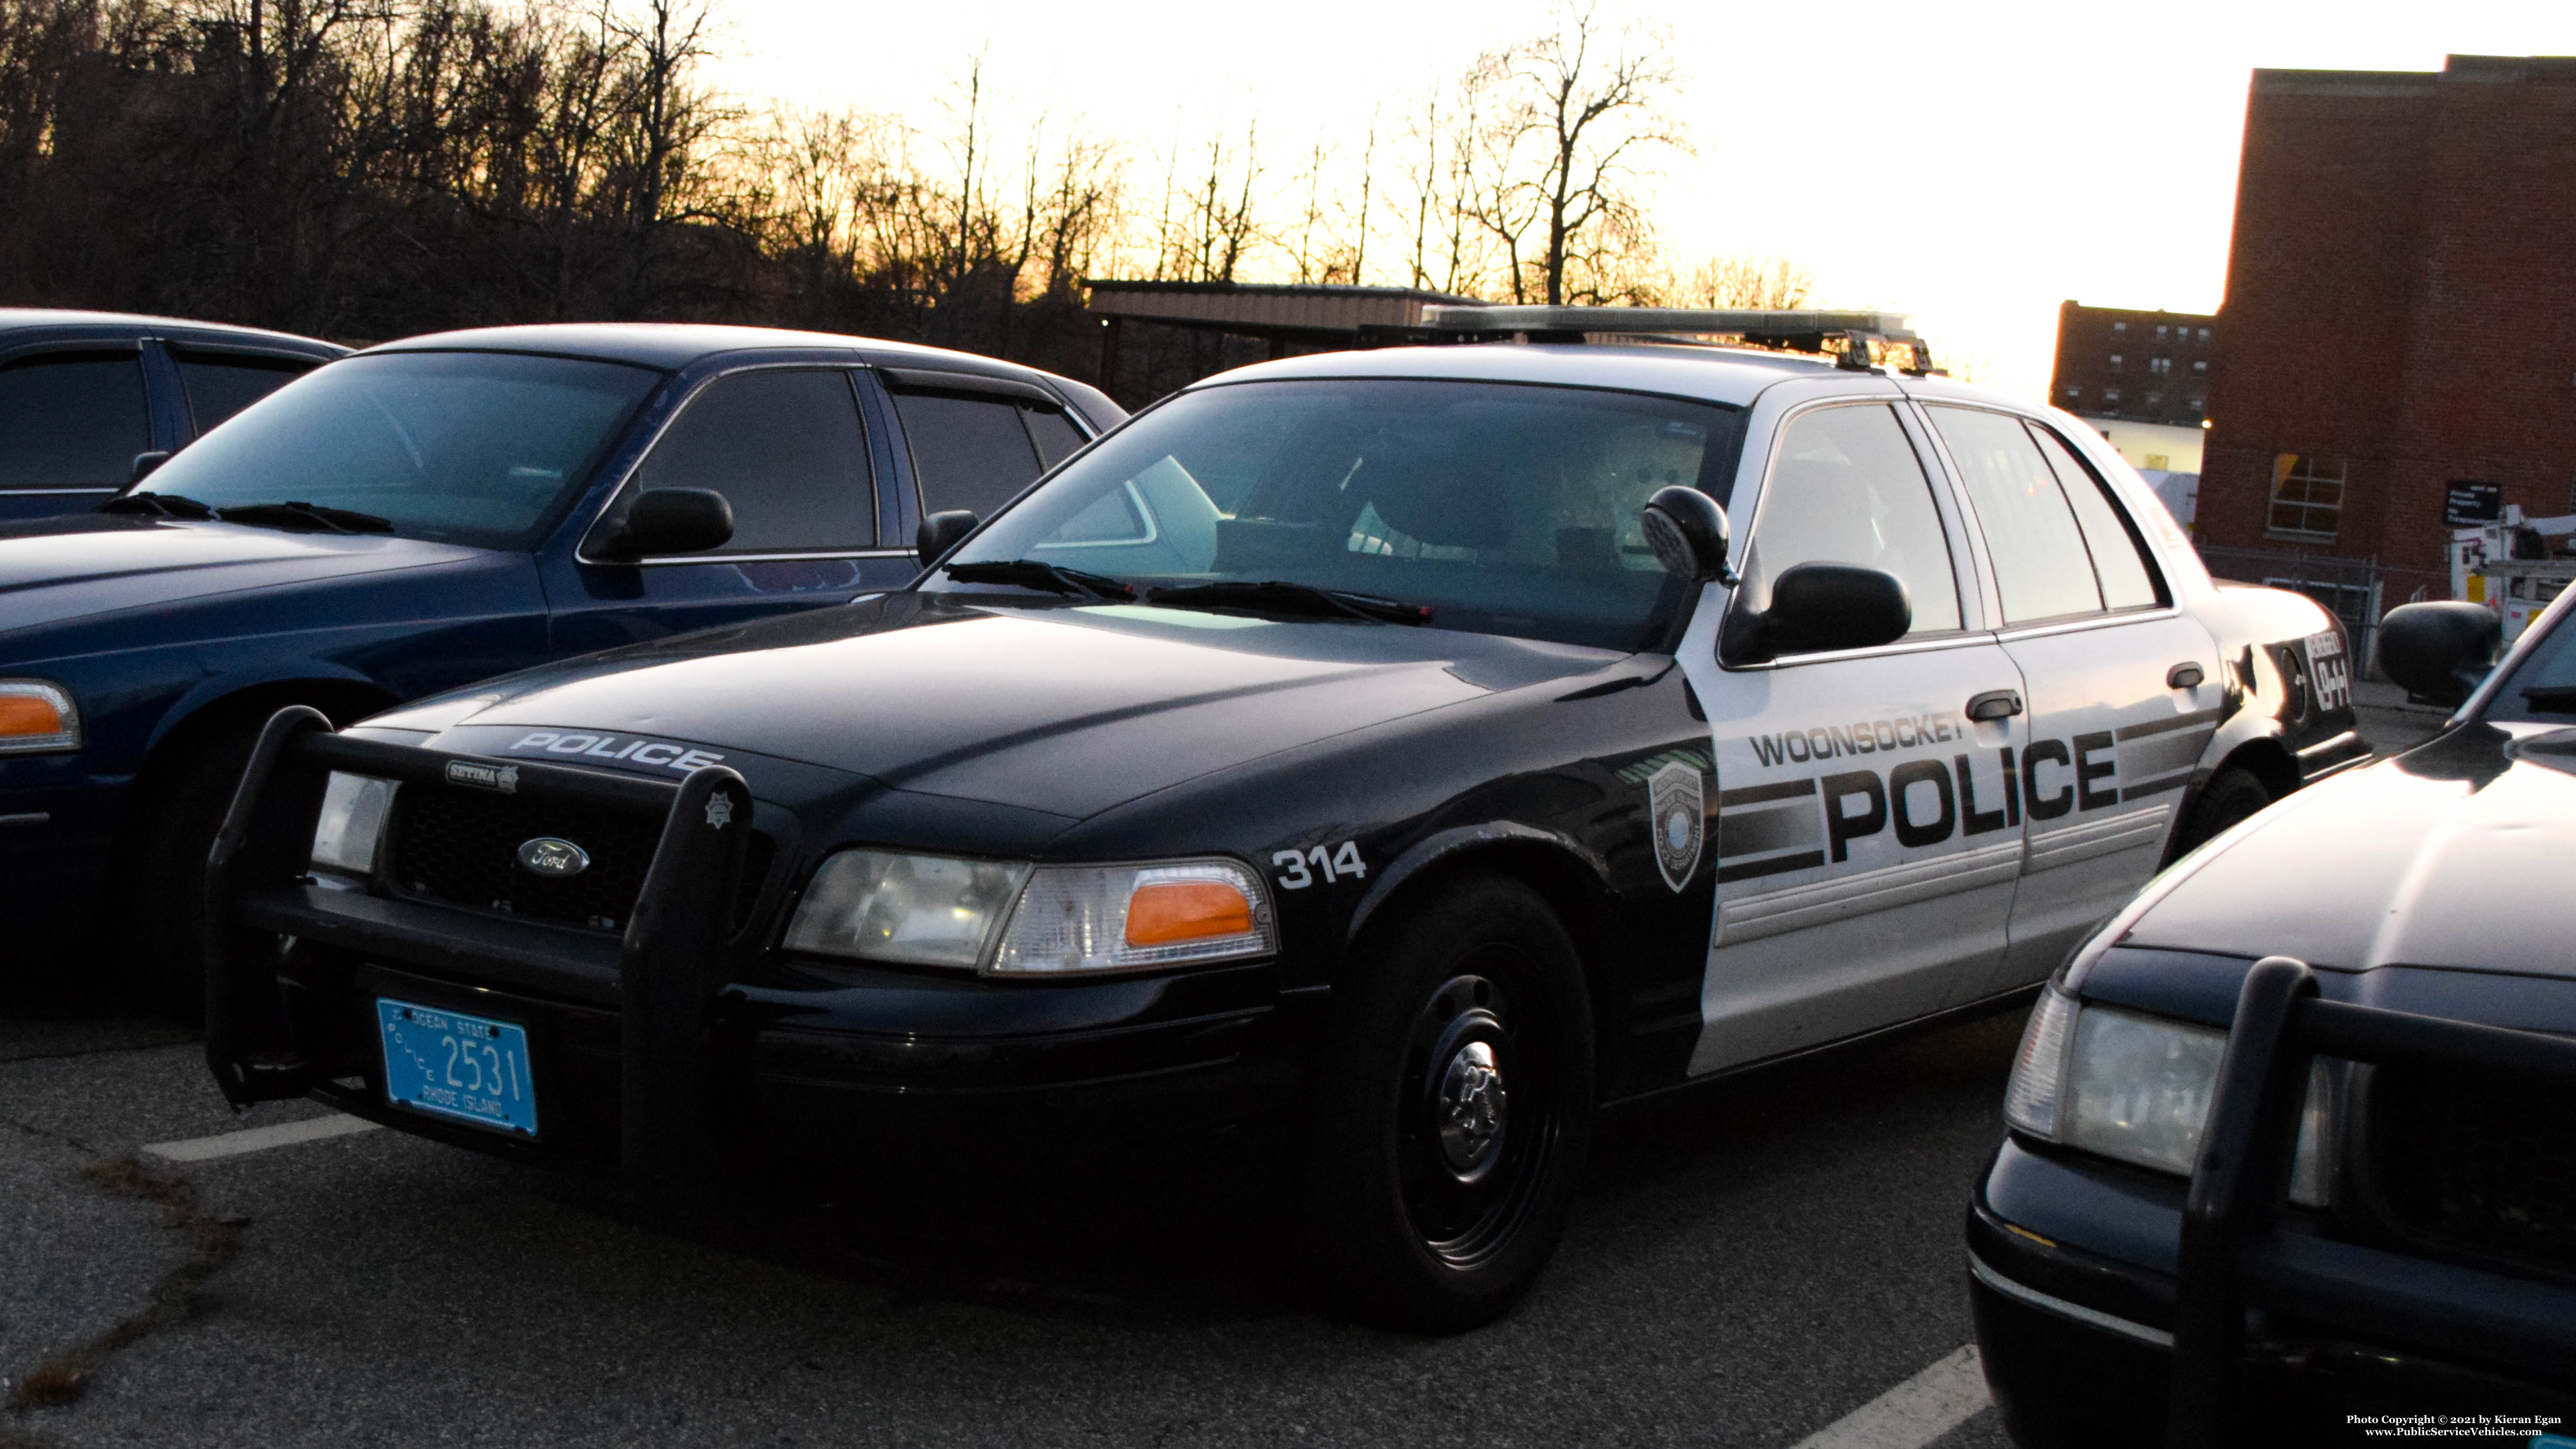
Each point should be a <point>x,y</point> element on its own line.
<point>2111,749</point>
<point>1866,865</point>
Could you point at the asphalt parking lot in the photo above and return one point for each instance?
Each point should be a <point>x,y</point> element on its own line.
<point>1753,1263</point>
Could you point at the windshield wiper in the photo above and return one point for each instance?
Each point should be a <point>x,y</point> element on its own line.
<point>1029,573</point>
<point>1275,596</point>
<point>166,505</point>
<point>292,514</point>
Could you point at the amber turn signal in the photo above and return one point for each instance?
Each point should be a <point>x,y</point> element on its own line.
<point>34,716</point>
<point>1164,912</point>
<point>25,715</point>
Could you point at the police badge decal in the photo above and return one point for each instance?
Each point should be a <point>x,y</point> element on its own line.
<point>1673,796</point>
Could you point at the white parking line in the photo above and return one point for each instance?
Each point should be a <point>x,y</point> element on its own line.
<point>1915,1412</point>
<point>259,1139</point>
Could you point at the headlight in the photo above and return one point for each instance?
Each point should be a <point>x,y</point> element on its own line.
<point>352,822</point>
<point>36,717</point>
<point>921,910</point>
<point>2137,1089</point>
<point>1019,920</point>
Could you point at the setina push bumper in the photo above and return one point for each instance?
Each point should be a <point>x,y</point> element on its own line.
<point>652,1037</point>
<point>2266,1330</point>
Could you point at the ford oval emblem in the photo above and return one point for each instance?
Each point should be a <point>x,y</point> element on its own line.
<point>552,858</point>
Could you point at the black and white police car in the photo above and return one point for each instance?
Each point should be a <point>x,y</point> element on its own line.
<point>1389,739</point>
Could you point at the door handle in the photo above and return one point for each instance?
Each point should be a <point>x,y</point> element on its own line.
<point>1994,704</point>
<point>2185,675</point>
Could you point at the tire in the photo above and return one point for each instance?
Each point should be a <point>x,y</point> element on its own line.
<point>2234,794</point>
<point>1434,1212</point>
<point>166,934</point>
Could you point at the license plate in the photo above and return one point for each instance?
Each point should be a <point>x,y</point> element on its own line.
<point>454,1065</point>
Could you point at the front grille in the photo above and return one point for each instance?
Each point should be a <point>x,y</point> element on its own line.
<point>462,847</point>
<point>2476,1164</point>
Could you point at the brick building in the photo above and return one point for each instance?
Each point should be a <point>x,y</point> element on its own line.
<point>2141,378</point>
<point>2400,318</point>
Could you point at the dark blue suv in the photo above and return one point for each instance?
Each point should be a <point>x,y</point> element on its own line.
<point>426,513</point>
<point>82,394</point>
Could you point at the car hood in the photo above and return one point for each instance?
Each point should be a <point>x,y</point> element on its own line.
<point>2452,855</point>
<point>1068,709</point>
<point>57,569</point>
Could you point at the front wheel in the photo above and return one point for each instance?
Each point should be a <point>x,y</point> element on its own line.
<point>1455,1110</point>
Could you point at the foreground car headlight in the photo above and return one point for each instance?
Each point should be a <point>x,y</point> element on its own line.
<point>352,823</point>
<point>2137,1089</point>
<point>36,717</point>
<point>1009,919</point>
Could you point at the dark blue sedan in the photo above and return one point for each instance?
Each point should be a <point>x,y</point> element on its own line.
<point>83,394</point>
<point>426,513</point>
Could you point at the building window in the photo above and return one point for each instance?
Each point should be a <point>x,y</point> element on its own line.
<point>2159,365</point>
<point>2307,495</point>
<point>2200,367</point>
<point>2115,362</point>
<point>2110,397</point>
<point>2160,330</point>
<point>2075,392</point>
<point>2160,462</point>
<point>2119,328</point>
<point>2204,334</point>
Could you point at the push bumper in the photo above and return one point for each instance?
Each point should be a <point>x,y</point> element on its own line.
<point>2118,1306</point>
<point>675,1052</point>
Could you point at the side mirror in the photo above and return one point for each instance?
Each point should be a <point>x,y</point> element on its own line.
<point>1687,531</point>
<point>671,520</point>
<point>2439,651</point>
<point>1821,606</point>
<point>939,533</point>
<point>144,463</point>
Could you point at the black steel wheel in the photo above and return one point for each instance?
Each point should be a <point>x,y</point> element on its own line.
<point>1455,1109</point>
<point>2233,795</point>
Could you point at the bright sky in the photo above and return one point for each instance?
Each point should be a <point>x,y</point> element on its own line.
<point>1974,164</point>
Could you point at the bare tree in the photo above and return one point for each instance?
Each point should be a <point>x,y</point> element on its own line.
<point>1765,283</point>
<point>1584,106</point>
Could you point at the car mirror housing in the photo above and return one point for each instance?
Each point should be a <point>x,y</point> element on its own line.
<point>939,532</point>
<point>143,465</point>
<point>672,520</point>
<point>1688,533</point>
<point>2440,651</point>
<point>1822,606</point>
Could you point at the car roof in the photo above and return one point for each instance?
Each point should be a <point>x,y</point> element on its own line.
<point>674,345</point>
<point>16,322</point>
<point>1727,375</point>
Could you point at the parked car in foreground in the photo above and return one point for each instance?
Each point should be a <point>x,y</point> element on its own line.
<point>2292,1150</point>
<point>433,511</point>
<point>1381,738</point>
<point>83,395</point>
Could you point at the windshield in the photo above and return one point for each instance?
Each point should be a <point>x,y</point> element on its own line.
<point>2542,689</point>
<point>1506,509</point>
<point>475,448</point>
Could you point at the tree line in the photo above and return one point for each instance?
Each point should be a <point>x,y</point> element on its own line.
<point>365,169</point>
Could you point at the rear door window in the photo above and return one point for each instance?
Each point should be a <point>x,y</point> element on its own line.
<point>968,452</point>
<point>2119,559</point>
<point>2042,567</point>
<point>72,421</point>
<point>219,386</point>
<point>786,449</point>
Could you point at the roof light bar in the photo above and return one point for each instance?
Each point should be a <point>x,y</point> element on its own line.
<point>1801,331</point>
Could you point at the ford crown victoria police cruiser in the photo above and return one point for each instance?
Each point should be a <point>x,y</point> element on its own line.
<point>1395,740</point>
<point>2291,1157</point>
